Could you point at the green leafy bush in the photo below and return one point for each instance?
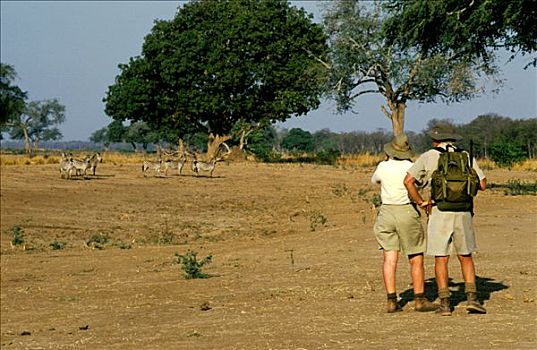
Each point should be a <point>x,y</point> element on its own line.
<point>57,245</point>
<point>505,153</point>
<point>98,241</point>
<point>516,187</point>
<point>18,235</point>
<point>191,266</point>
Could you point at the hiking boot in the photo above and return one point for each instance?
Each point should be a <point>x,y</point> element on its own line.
<point>421,304</point>
<point>473,305</point>
<point>393,306</point>
<point>445,308</point>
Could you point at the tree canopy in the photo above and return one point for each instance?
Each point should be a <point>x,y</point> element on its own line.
<point>220,62</point>
<point>12,98</point>
<point>38,123</point>
<point>471,28</point>
<point>298,140</point>
<point>362,62</point>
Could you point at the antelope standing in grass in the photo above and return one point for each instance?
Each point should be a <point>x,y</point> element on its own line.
<point>66,166</point>
<point>94,160</point>
<point>174,164</point>
<point>209,166</point>
<point>198,166</point>
<point>81,166</point>
<point>156,166</point>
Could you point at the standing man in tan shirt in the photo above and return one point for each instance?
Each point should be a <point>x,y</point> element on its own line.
<point>447,231</point>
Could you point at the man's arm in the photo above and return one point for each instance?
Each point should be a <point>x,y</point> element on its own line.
<point>412,189</point>
<point>410,184</point>
<point>483,184</point>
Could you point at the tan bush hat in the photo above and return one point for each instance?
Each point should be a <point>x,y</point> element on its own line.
<point>444,133</point>
<point>399,147</point>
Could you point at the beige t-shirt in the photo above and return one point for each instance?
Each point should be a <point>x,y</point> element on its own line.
<point>426,164</point>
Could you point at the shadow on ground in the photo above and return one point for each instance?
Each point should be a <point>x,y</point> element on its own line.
<point>485,287</point>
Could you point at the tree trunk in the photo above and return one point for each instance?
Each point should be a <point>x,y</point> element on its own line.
<point>27,146</point>
<point>181,147</point>
<point>35,146</point>
<point>242,141</point>
<point>213,145</point>
<point>398,117</point>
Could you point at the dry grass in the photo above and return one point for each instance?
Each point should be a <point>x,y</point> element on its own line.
<point>345,160</point>
<point>359,160</point>
<point>109,157</point>
<point>18,159</point>
<point>528,165</point>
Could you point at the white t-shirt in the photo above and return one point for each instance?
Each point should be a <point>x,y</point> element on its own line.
<point>391,174</point>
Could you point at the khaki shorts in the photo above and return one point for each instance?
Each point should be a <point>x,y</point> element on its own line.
<point>450,232</point>
<point>398,227</point>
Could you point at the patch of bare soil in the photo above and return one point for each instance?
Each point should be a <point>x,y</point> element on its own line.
<point>295,264</point>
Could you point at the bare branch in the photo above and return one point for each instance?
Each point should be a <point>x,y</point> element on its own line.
<point>219,157</point>
<point>359,93</point>
<point>460,12</point>
<point>325,64</point>
<point>385,111</point>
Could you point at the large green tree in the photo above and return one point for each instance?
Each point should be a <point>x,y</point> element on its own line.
<point>140,132</point>
<point>220,62</point>
<point>38,122</point>
<point>112,133</point>
<point>298,140</point>
<point>12,98</point>
<point>364,62</point>
<point>469,28</point>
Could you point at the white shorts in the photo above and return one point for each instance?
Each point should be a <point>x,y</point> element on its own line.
<point>450,232</point>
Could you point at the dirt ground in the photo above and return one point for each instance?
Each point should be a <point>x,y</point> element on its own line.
<point>294,263</point>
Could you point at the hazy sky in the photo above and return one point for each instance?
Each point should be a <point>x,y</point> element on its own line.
<point>70,50</point>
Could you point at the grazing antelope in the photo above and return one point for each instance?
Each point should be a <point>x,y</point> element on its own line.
<point>156,166</point>
<point>81,166</point>
<point>174,164</point>
<point>66,167</point>
<point>209,166</point>
<point>203,166</point>
<point>94,160</point>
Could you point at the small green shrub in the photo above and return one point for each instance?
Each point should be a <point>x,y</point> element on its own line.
<point>317,218</point>
<point>98,241</point>
<point>123,245</point>
<point>191,266</point>
<point>166,238</point>
<point>340,190</point>
<point>18,235</point>
<point>516,187</point>
<point>57,245</point>
<point>375,200</point>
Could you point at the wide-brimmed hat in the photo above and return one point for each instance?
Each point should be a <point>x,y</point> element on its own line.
<point>444,133</point>
<point>399,147</point>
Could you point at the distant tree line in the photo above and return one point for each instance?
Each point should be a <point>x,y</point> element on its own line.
<point>490,134</point>
<point>502,139</point>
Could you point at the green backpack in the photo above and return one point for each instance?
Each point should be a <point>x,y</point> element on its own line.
<point>454,183</point>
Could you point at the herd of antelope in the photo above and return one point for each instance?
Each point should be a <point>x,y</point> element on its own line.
<point>175,161</point>
<point>70,166</point>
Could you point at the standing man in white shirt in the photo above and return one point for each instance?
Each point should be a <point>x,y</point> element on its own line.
<point>398,225</point>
